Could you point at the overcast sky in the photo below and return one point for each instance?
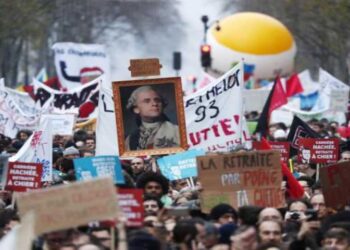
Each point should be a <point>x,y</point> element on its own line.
<point>191,12</point>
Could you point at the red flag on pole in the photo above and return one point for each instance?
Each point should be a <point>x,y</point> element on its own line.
<point>276,99</point>
<point>293,85</point>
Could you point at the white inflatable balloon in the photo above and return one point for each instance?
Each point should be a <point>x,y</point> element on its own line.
<point>258,39</point>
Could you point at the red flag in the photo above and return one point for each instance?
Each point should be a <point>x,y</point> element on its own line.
<point>295,190</point>
<point>293,85</point>
<point>278,97</point>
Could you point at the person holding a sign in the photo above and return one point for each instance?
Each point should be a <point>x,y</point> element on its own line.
<point>154,130</point>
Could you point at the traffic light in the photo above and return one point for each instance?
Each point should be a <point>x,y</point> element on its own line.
<point>177,60</point>
<point>205,55</point>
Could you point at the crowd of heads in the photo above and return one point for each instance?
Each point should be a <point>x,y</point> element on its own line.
<point>173,218</point>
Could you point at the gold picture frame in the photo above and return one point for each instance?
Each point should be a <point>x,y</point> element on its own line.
<point>130,124</point>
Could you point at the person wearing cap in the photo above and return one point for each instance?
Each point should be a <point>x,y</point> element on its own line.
<point>222,214</point>
<point>154,129</point>
<point>71,153</point>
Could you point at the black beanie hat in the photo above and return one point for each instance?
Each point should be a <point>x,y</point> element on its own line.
<point>221,209</point>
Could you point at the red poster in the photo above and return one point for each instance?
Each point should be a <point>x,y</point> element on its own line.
<point>131,202</point>
<point>282,147</point>
<point>23,176</point>
<point>318,150</point>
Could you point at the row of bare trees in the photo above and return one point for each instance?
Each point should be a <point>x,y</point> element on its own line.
<point>29,28</point>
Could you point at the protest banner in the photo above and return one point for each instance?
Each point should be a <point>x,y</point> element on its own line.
<point>335,181</point>
<point>76,62</point>
<point>100,166</point>
<point>14,113</point>
<point>106,127</point>
<point>280,146</point>
<point>250,178</point>
<point>37,149</point>
<point>180,165</point>
<point>22,176</point>
<point>59,124</point>
<point>70,205</point>
<point>81,100</point>
<point>318,150</point>
<point>130,202</point>
<point>214,114</point>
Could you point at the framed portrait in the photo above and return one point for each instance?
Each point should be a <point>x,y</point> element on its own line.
<point>150,116</point>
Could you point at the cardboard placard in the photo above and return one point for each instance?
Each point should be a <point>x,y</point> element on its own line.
<point>23,176</point>
<point>281,146</point>
<point>250,178</point>
<point>313,150</point>
<point>130,202</point>
<point>70,205</point>
<point>335,181</point>
<point>145,67</point>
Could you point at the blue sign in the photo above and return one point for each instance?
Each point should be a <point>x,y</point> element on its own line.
<point>99,166</point>
<point>180,166</point>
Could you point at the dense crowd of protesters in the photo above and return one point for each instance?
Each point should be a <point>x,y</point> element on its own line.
<point>173,217</point>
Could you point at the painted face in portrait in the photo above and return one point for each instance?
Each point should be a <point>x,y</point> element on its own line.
<point>148,105</point>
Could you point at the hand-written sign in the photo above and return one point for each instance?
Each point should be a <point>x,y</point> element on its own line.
<point>130,202</point>
<point>22,176</point>
<point>251,178</point>
<point>210,124</point>
<point>70,205</point>
<point>318,150</point>
<point>335,181</point>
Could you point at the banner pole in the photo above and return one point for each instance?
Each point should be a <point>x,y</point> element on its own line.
<point>13,200</point>
<point>317,171</point>
<point>112,238</point>
<point>192,182</point>
<point>188,182</point>
<point>122,241</point>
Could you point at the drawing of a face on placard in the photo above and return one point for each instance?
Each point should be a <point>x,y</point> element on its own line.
<point>306,155</point>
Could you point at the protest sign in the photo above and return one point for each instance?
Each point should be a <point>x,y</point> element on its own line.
<point>130,202</point>
<point>37,149</point>
<point>22,176</point>
<point>76,62</point>
<point>214,114</point>
<point>335,181</point>
<point>318,150</point>
<point>91,167</point>
<point>251,178</point>
<point>59,124</point>
<point>70,205</point>
<point>281,146</point>
<point>180,165</point>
